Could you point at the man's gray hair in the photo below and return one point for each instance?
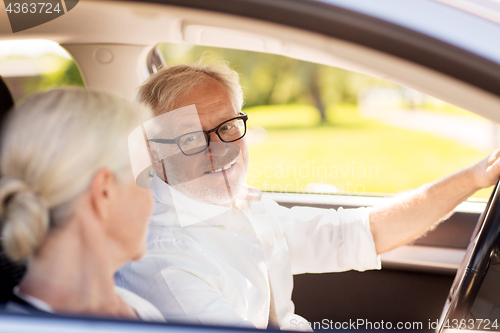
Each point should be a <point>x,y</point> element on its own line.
<point>163,89</point>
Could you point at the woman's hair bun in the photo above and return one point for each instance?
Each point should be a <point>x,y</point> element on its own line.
<point>24,218</point>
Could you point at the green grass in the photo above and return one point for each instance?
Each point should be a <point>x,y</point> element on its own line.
<point>355,154</point>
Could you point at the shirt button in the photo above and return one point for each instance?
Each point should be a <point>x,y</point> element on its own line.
<point>234,213</point>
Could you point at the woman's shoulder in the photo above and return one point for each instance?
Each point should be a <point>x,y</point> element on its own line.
<point>144,309</point>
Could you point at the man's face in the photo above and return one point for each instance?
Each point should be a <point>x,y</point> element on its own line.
<point>199,176</point>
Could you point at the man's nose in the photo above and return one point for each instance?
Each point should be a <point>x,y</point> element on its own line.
<point>217,148</point>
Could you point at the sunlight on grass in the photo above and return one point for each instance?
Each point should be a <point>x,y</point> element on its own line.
<point>354,154</point>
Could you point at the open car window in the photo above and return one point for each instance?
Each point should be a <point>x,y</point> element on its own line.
<point>320,129</point>
<point>28,66</point>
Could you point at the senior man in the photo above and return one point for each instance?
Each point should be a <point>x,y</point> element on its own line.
<point>220,254</point>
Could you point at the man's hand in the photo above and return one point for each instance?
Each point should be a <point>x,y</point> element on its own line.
<point>412,214</point>
<point>487,172</point>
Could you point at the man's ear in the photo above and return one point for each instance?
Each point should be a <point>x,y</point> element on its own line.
<point>102,193</point>
<point>157,164</point>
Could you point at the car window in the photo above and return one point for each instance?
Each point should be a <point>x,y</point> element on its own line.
<point>319,129</point>
<point>28,66</point>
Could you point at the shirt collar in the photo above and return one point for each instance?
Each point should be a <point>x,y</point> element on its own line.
<point>189,211</point>
<point>33,301</point>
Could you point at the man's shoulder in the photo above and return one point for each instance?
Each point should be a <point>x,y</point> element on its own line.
<point>254,198</point>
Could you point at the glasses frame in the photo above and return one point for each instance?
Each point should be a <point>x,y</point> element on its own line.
<point>243,116</point>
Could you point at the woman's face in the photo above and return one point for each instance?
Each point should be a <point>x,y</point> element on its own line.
<point>130,214</point>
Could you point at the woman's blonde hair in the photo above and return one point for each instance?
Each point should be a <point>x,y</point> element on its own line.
<point>51,146</point>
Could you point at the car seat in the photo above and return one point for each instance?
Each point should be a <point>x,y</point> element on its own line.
<point>10,273</point>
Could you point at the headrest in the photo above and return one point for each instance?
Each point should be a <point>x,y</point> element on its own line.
<point>6,100</point>
<point>10,273</point>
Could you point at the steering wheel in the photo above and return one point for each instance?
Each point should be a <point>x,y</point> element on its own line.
<point>472,271</point>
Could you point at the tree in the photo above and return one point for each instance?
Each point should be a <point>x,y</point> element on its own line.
<point>274,79</point>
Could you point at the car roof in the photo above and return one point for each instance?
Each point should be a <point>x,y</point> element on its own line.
<point>438,49</point>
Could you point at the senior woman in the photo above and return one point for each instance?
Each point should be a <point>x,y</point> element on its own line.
<point>69,203</point>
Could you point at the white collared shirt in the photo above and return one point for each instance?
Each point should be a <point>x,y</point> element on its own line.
<point>211,265</point>
<point>144,309</point>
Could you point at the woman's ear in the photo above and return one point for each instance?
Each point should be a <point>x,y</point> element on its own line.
<point>102,192</point>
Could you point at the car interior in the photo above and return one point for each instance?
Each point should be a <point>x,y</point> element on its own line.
<point>114,44</point>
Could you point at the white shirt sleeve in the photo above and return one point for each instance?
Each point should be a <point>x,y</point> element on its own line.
<point>326,240</point>
<point>184,284</point>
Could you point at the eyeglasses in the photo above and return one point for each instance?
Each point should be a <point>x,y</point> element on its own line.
<point>196,142</point>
